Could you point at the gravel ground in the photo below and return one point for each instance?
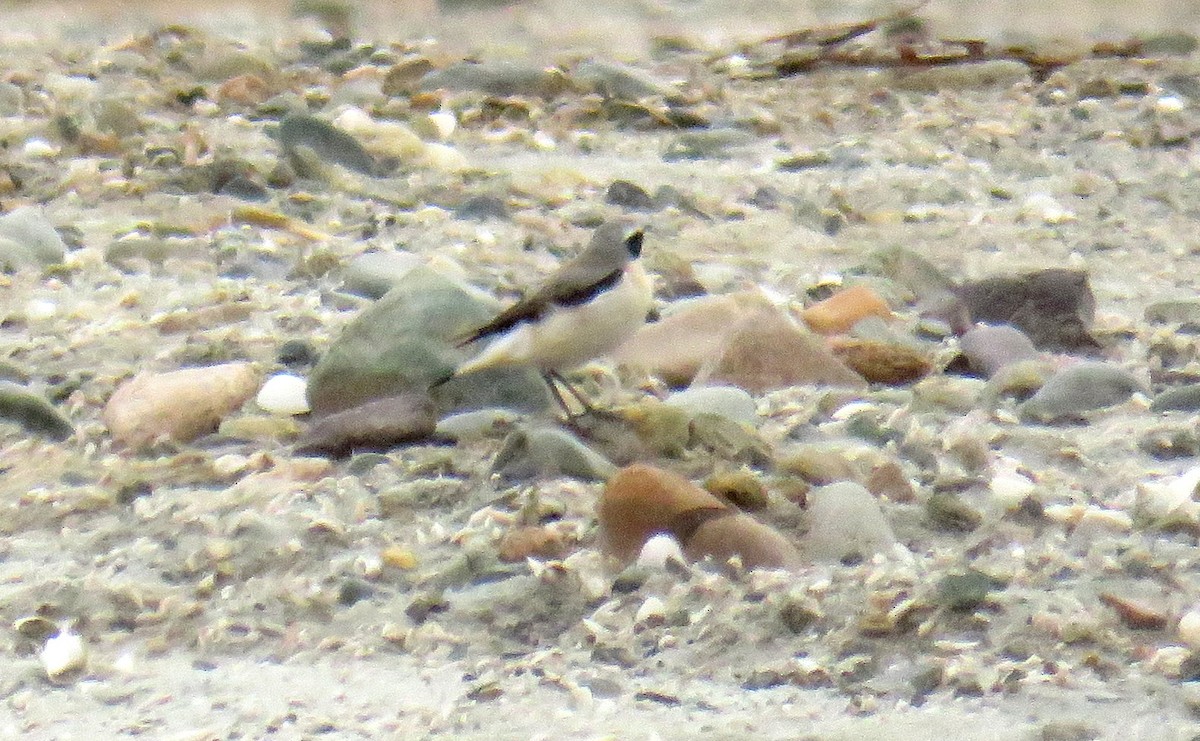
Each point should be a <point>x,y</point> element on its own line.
<point>227,588</point>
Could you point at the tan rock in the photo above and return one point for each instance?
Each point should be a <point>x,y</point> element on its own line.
<point>675,347</point>
<point>882,362</point>
<point>766,350</point>
<point>180,405</point>
<point>844,309</point>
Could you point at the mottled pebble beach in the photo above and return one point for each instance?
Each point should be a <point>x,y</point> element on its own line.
<point>906,449</point>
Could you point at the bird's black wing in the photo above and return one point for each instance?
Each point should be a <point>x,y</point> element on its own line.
<point>574,284</point>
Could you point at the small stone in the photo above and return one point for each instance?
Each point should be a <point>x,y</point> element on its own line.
<point>1054,308</point>
<point>284,395</point>
<point>887,481</point>
<point>845,522</point>
<point>375,273</point>
<point>29,239</point>
<point>502,79</point>
<point>477,423</point>
<point>327,141</point>
<point>946,511</point>
<point>740,487</point>
<point>767,351</point>
<point>1080,388</point>
<point>1065,730</point>
<point>841,311</point>
<point>729,402</point>
<point>63,656</point>
<point>659,550</point>
<point>1000,73</point>
<point>533,541</point>
<point>1179,399</point>
<point>1185,311</point>
<point>629,196</point>
<point>181,405</point>
<point>889,363</point>
<point>652,613</point>
<point>1135,613</point>
<point>548,451</point>
<point>966,591</point>
<point>33,412</point>
<point>989,348</point>
<point>1167,443</point>
<point>398,558</point>
<point>1189,628</point>
<point>482,208</point>
<point>377,425</point>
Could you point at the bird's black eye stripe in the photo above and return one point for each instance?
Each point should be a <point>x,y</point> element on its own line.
<point>633,243</point>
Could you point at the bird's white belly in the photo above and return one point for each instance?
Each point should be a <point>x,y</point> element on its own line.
<point>569,336</point>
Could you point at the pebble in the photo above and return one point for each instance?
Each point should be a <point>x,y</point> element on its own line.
<point>629,196</point>
<point>63,655</point>
<point>406,341</point>
<point>1189,627</point>
<point>1054,307</point>
<point>28,239</point>
<point>1080,388</point>
<point>542,451</point>
<point>1178,399</point>
<point>476,423</point>
<point>376,425</point>
<point>531,541</point>
<point>729,402</point>
<point>1139,614</point>
<point>845,522</point>
<point>988,348</point>
<point>674,347</point>
<point>641,501</point>
<point>971,76</point>
<point>890,363</point>
<point>284,394</point>
<point>841,311</point>
<point>502,79</point>
<point>767,351</point>
<point>375,273</point>
<point>327,141</point>
<point>659,550</point>
<point>33,412</point>
<point>181,405</point>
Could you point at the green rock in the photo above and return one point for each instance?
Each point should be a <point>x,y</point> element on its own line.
<point>31,411</point>
<point>946,511</point>
<point>548,451</point>
<point>966,591</point>
<point>328,142</point>
<point>406,342</point>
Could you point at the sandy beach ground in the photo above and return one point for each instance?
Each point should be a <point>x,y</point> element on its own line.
<point>216,602</point>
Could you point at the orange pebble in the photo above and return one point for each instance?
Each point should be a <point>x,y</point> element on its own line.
<point>844,309</point>
<point>640,501</point>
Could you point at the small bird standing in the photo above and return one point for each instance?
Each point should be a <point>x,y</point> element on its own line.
<point>587,307</point>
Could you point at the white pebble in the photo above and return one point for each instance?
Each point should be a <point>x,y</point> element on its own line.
<point>284,394</point>
<point>1189,627</point>
<point>63,653</point>
<point>543,141</point>
<point>1009,487</point>
<point>40,309</point>
<point>652,612</point>
<point>1169,104</point>
<point>1044,207</point>
<point>40,148</point>
<point>660,549</point>
<point>443,123</point>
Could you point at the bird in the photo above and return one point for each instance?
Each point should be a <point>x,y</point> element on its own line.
<point>590,305</point>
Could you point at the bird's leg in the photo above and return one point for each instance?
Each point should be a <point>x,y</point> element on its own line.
<point>554,379</point>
